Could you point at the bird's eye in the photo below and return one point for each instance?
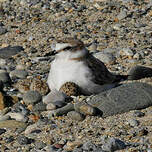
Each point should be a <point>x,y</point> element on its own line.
<point>67,48</point>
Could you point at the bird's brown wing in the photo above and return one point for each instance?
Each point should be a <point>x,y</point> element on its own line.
<point>101,75</point>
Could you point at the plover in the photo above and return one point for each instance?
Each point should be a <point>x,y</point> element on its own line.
<point>74,63</point>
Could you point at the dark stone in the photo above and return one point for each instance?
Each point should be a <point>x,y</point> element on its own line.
<point>9,51</point>
<point>23,140</point>
<point>114,144</point>
<point>9,139</point>
<point>132,96</point>
<point>2,30</point>
<point>2,131</point>
<point>39,107</point>
<point>138,113</point>
<point>138,72</point>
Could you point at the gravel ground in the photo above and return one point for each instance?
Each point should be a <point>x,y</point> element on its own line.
<point>117,32</point>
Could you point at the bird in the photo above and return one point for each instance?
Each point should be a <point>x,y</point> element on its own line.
<point>73,63</point>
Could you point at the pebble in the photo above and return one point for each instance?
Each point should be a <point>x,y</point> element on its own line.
<point>61,111</point>
<point>113,144</point>
<point>85,108</point>
<point>54,96</point>
<point>106,58</point>
<point>32,97</point>
<point>55,105</point>
<point>89,146</point>
<point>127,52</point>
<point>19,74</point>
<point>40,145</point>
<point>133,122</point>
<point>17,116</point>
<point>2,62</point>
<point>30,128</point>
<point>138,113</point>
<point>9,139</point>
<point>4,77</point>
<point>2,30</point>
<point>39,107</point>
<point>122,15</point>
<point>70,145</point>
<point>5,117</point>
<point>20,108</point>
<point>23,140</point>
<point>75,116</point>
<point>2,131</point>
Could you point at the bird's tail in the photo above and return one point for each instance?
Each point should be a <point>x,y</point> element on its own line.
<point>120,78</point>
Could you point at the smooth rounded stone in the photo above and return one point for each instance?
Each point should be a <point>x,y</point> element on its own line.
<point>32,97</point>
<point>117,27</point>
<point>105,57</point>
<point>30,128</point>
<point>61,111</point>
<point>132,96</point>
<point>23,140</point>
<point>89,146</point>
<point>40,145</point>
<point>113,144</point>
<point>20,108</point>
<point>133,122</point>
<point>70,145</point>
<point>53,96</point>
<point>5,117</point>
<point>17,116</point>
<point>4,77</point>
<point>138,72</point>
<point>138,113</point>
<point>2,62</point>
<point>20,67</point>
<point>18,74</point>
<point>126,51</point>
<point>75,116</point>
<point>51,106</point>
<point>84,108</point>
<point>122,15</point>
<point>2,131</point>
<point>2,30</point>
<point>40,86</point>
<point>55,105</point>
<point>12,124</point>
<point>39,107</point>
<point>9,139</point>
<point>10,51</point>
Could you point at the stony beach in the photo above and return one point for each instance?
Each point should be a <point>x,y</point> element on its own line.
<point>119,33</point>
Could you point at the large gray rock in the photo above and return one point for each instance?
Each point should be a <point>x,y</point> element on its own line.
<point>122,99</point>
<point>9,51</point>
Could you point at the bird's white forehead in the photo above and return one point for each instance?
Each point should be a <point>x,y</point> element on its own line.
<point>59,46</point>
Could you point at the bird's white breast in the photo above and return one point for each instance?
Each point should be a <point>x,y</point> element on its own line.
<point>63,70</point>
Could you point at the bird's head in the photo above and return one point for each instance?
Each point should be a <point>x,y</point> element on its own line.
<point>71,47</point>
